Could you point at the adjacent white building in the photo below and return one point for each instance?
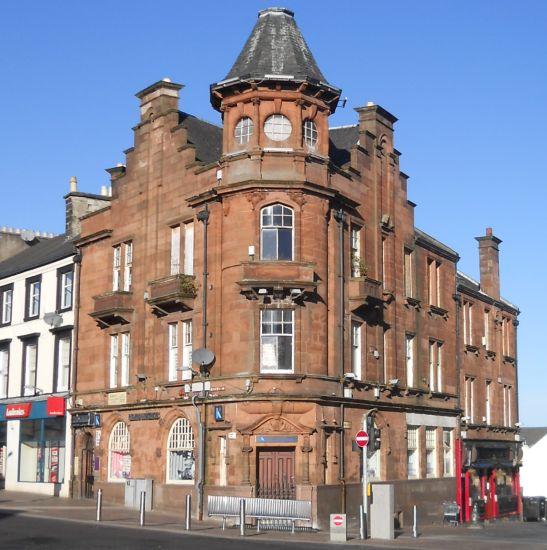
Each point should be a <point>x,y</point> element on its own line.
<point>37,290</point>
<point>533,474</point>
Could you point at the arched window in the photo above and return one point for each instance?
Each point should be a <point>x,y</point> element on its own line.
<point>276,233</point>
<point>119,459</point>
<point>180,452</point>
<point>244,130</point>
<point>309,132</point>
<point>277,127</point>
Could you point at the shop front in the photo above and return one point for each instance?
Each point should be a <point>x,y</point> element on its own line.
<point>35,457</point>
<point>489,484</point>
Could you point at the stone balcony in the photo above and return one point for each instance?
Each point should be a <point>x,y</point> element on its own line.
<point>173,293</point>
<point>365,291</point>
<point>113,308</point>
<point>282,278</point>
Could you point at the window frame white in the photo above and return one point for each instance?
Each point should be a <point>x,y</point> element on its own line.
<point>63,362</point>
<point>285,214</point>
<point>355,251</point>
<point>413,452</point>
<point>430,452</point>
<point>119,442</point>
<point>243,130</point>
<point>310,134</point>
<point>188,248</point>
<point>7,304</point>
<point>274,339</point>
<point>408,258</point>
<point>448,452</point>
<point>180,440</point>
<point>4,371</point>
<point>409,359</point>
<point>469,398</point>
<point>175,250</point>
<point>30,367</point>
<point>277,127</point>
<point>356,350</point>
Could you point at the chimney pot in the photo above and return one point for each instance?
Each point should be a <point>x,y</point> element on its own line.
<point>73,184</point>
<point>488,231</point>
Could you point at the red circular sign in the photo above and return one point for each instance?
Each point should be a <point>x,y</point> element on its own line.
<point>338,520</point>
<point>361,438</point>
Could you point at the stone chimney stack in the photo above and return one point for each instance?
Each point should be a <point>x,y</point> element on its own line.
<point>79,204</point>
<point>489,264</point>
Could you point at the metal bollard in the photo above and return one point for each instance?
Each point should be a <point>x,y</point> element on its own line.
<point>99,504</point>
<point>143,503</point>
<point>361,522</point>
<point>242,517</point>
<point>188,521</point>
<point>475,513</point>
<point>415,526</point>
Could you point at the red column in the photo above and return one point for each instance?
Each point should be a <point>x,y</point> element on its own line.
<point>493,495</point>
<point>516,484</point>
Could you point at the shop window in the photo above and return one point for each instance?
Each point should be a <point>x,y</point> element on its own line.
<point>65,284</point>
<point>119,458</point>
<point>276,340</point>
<point>42,450</point>
<point>180,452</point>
<point>180,369</point>
<point>276,233</point>
<point>6,304</point>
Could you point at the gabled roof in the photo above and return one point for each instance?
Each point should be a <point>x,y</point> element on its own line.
<point>42,253</point>
<point>532,435</point>
<point>276,47</point>
<point>206,137</point>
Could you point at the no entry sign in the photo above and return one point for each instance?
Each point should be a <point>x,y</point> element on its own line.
<point>361,438</point>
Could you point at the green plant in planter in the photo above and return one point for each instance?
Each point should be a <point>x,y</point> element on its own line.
<point>188,285</point>
<point>359,266</point>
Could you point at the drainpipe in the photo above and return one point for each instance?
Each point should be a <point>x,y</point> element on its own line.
<point>339,217</point>
<point>202,216</point>
<point>76,294</point>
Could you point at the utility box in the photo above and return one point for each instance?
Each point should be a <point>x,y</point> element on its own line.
<point>338,528</point>
<point>133,489</point>
<point>533,508</point>
<point>382,508</point>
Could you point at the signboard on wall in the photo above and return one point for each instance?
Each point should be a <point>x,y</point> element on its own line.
<point>19,410</point>
<point>55,406</point>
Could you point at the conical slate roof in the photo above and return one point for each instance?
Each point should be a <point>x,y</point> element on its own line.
<point>276,47</point>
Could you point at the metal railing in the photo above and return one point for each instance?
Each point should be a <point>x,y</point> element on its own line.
<point>269,513</point>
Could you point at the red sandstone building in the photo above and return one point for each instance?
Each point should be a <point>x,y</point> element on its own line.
<point>288,250</point>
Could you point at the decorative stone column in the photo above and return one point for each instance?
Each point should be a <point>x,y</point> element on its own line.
<point>246,467</point>
<point>306,449</point>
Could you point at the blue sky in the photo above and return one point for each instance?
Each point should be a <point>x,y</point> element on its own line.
<point>467,80</point>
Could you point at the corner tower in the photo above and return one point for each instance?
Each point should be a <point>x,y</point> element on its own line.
<point>275,98</point>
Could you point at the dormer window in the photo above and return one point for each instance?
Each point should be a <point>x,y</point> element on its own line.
<point>244,130</point>
<point>277,127</point>
<point>309,132</point>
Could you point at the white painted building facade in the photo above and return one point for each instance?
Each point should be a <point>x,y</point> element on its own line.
<point>36,339</point>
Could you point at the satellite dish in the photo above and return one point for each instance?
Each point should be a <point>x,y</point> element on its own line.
<point>28,235</point>
<point>205,359</point>
<point>53,319</point>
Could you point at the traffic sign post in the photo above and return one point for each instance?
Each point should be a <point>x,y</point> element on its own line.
<point>361,438</point>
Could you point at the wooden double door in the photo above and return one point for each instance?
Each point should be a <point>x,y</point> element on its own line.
<point>275,473</point>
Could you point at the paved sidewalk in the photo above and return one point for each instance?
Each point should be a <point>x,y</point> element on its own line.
<point>498,535</point>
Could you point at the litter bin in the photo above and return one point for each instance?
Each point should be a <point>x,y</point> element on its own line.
<point>533,508</point>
